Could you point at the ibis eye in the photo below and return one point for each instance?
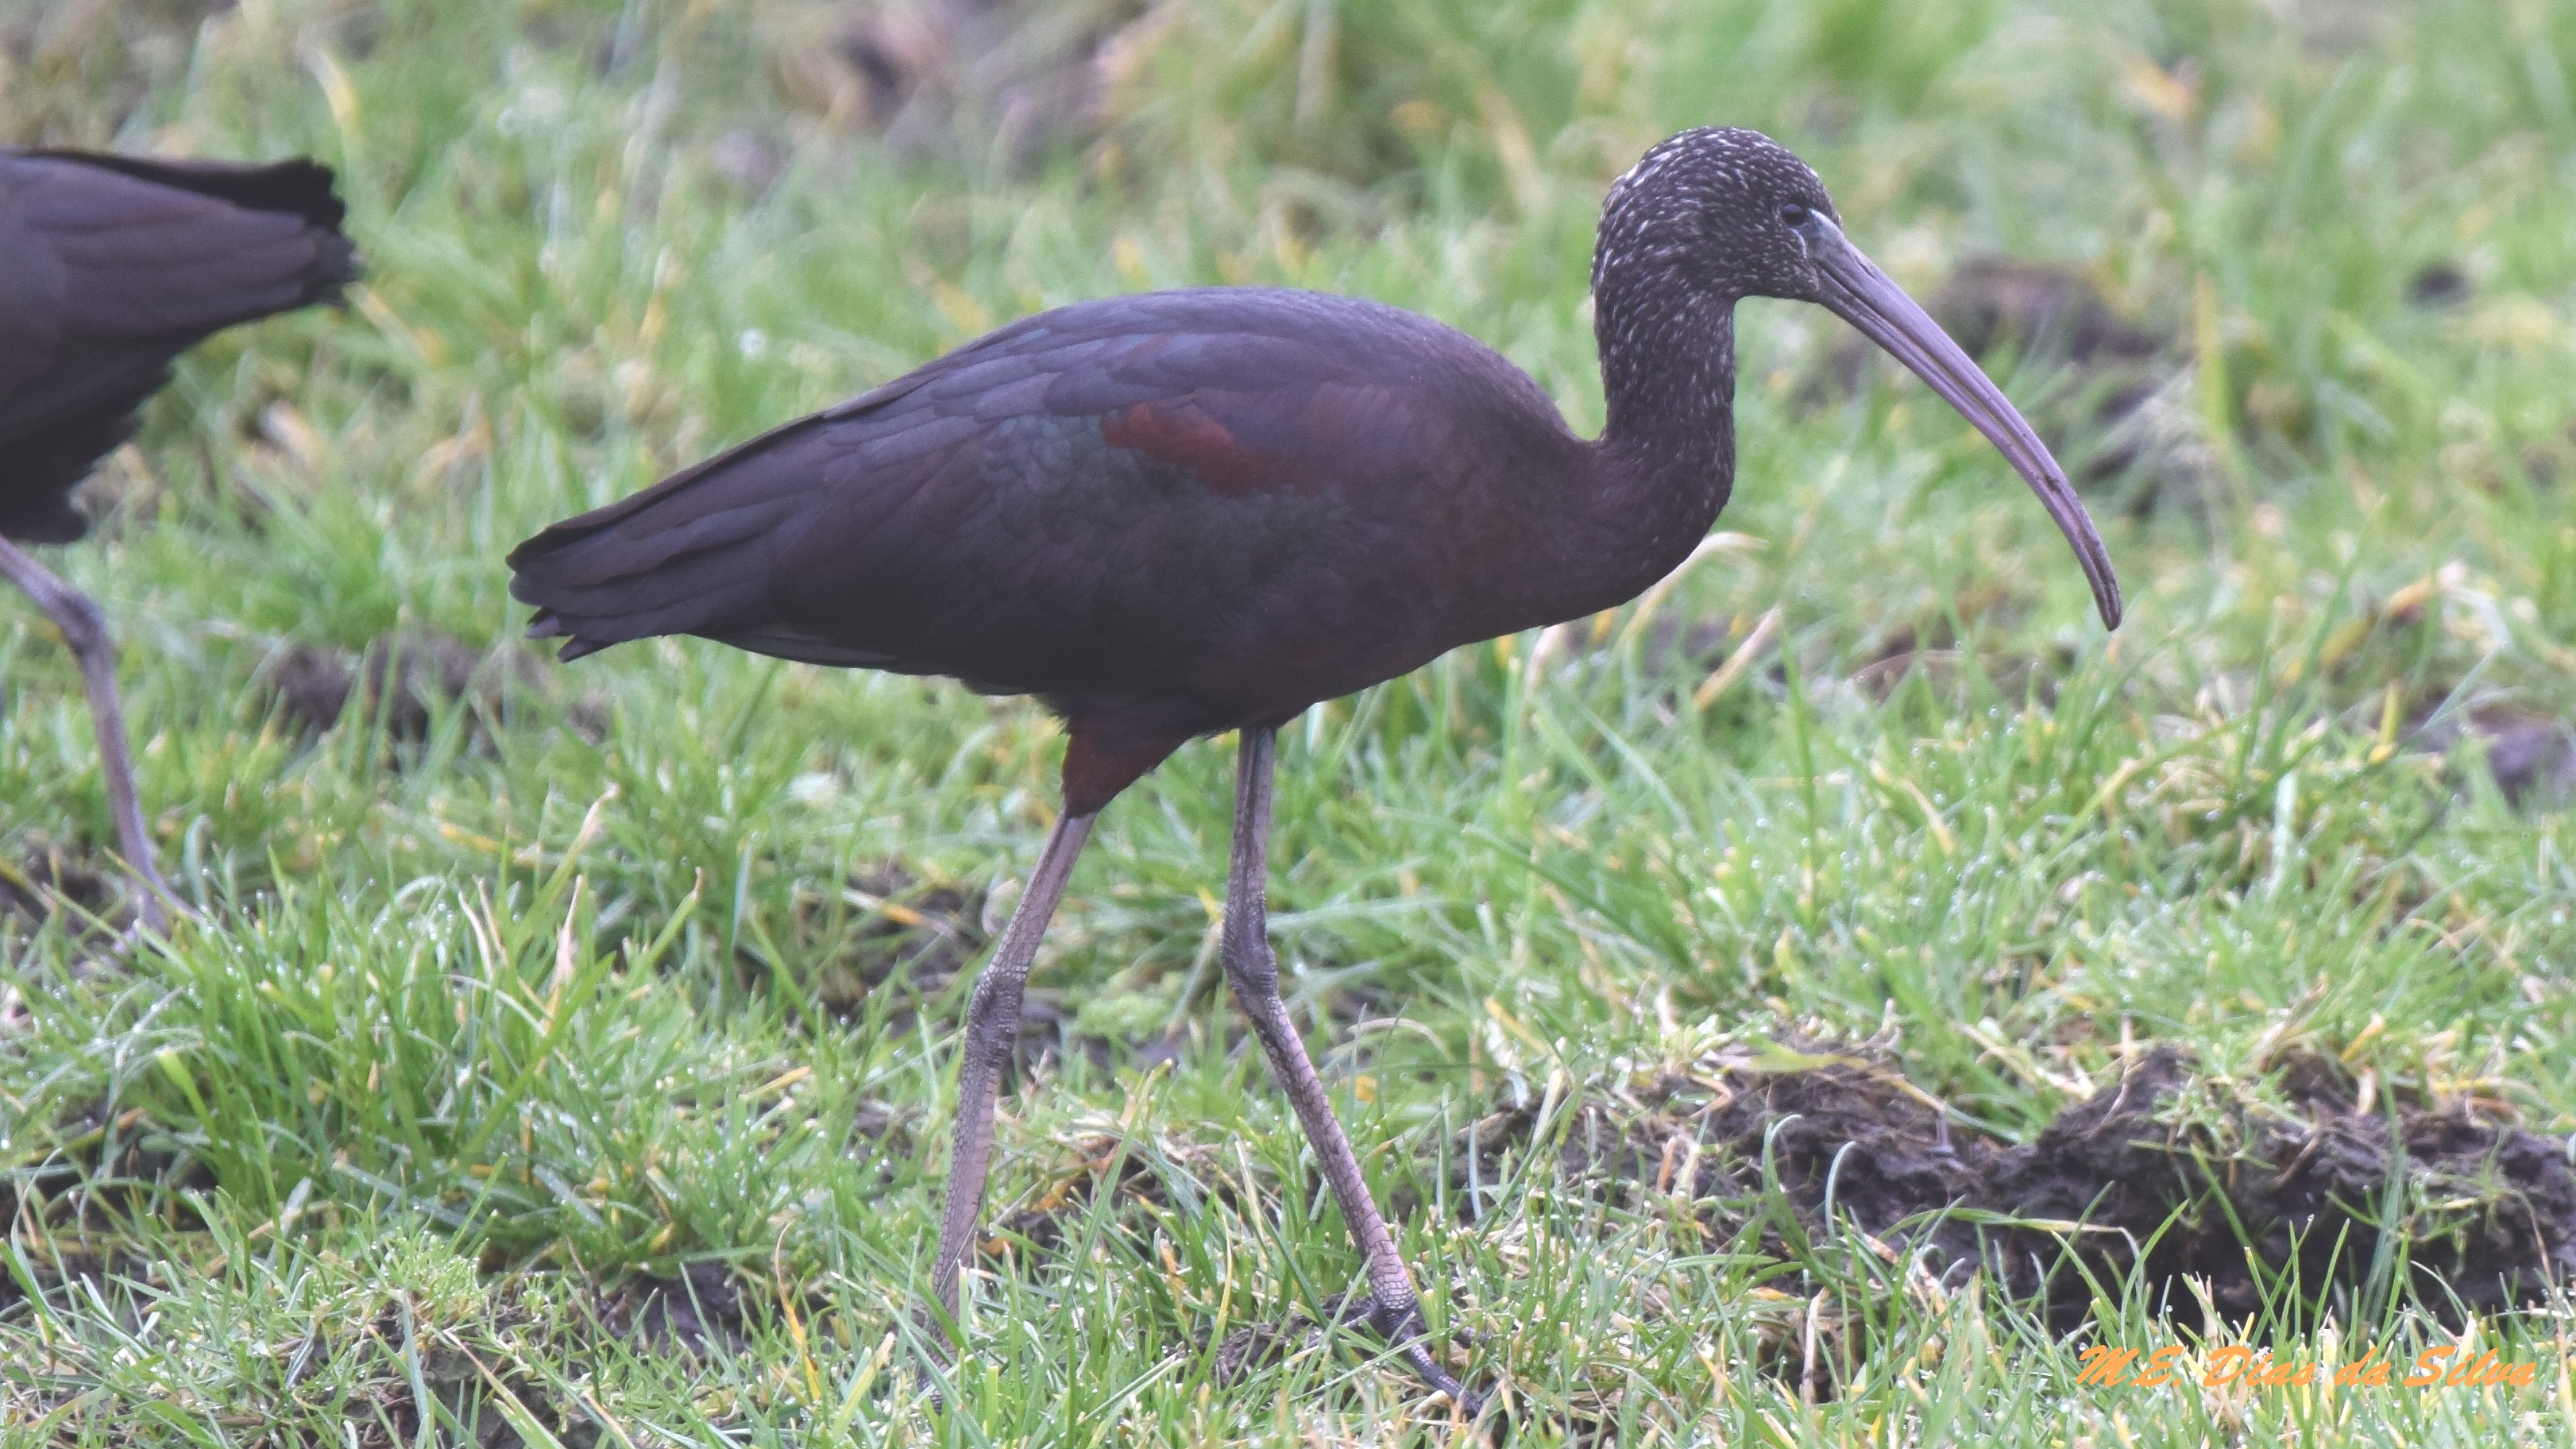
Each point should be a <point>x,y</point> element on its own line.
<point>1791,213</point>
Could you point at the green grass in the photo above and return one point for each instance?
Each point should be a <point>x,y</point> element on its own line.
<point>475,1027</point>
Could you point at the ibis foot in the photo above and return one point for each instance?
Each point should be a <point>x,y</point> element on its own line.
<point>1402,1325</point>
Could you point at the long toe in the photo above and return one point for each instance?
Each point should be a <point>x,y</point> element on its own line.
<point>1402,1325</point>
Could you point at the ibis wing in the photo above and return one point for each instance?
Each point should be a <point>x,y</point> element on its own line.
<point>1099,504</point>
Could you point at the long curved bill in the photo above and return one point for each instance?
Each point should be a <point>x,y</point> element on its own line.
<point>1862,295</point>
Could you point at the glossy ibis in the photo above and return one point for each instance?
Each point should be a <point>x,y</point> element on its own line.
<point>1186,512</point>
<point>110,267</point>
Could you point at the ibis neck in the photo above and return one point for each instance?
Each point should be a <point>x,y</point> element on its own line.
<point>1666,456</point>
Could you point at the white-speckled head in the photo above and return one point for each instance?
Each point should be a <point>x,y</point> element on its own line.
<point>1722,211</point>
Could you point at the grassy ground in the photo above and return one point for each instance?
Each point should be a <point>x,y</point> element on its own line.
<point>551,1063</point>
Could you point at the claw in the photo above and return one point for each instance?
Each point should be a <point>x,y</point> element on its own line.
<point>1402,1325</point>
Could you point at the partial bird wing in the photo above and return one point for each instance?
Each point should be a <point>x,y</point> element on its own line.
<point>110,266</point>
<point>1100,505</point>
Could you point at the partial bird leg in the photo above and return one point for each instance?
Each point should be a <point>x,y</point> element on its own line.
<point>1254,970</point>
<point>992,1029</point>
<point>84,628</point>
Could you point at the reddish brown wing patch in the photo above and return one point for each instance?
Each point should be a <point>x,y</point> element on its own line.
<point>1182,433</point>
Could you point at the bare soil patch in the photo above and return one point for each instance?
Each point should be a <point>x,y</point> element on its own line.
<point>2164,1171</point>
<point>401,679</point>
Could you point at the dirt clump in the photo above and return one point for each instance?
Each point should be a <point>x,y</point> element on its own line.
<point>1992,302</point>
<point>48,879</point>
<point>81,1176</point>
<point>890,929</point>
<point>2438,286</point>
<point>401,679</point>
<point>699,1310</point>
<point>2531,755</point>
<point>1257,1346</point>
<point>911,932</point>
<point>2163,1172</point>
<point>1006,79</point>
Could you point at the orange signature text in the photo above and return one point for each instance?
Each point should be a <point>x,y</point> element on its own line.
<point>2439,1367</point>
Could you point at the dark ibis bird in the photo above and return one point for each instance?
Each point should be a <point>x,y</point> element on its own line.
<point>1187,512</point>
<point>110,267</point>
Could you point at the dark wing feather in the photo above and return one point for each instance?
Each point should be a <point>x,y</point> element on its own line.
<point>1115,504</point>
<point>694,553</point>
<point>110,266</point>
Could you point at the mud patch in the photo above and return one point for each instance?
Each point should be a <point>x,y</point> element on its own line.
<point>82,1178</point>
<point>1005,78</point>
<point>402,679</point>
<point>463,1365</point>
<point>699,1310</point>
<point>910,938</point>
<point>2438,286</point>
<point>2166,1173</point>
<point>903,932</point>
<point>54,1269</point>
<point>1995,301</point>
<point>2532,756</point>
<point>1257,1346</point>
<point>48,880</point>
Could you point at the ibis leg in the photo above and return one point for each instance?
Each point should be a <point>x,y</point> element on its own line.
<point>1254,970</point>
<point>992,1029</point>
<point>84,628</point>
